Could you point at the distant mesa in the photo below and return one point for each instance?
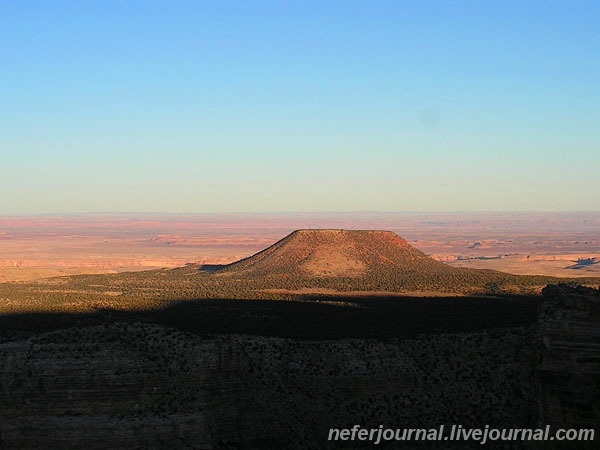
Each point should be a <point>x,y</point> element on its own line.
<point>322,260</point>
<point>335,253</point>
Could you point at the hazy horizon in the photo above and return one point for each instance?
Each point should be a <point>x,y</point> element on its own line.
<point>299,213</point>
<point>211,107</point>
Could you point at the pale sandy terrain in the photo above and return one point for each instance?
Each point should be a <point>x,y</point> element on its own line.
<point>523,243</point>
<point>553,265</point>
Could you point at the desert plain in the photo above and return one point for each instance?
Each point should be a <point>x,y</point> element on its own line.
<point>34,247</point>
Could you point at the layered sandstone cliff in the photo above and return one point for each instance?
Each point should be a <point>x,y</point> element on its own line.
<point>139,385</point>
<point>568,375</point>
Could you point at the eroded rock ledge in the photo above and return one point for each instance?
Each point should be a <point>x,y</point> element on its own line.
<point>568,375</point>
<point>138,385</point>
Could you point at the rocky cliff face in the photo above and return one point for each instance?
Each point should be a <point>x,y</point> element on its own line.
<point>137,385</point>
<point>568,375</point>
<point>126,384</point>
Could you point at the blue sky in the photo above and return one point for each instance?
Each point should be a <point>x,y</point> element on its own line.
<point>214,106</point>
